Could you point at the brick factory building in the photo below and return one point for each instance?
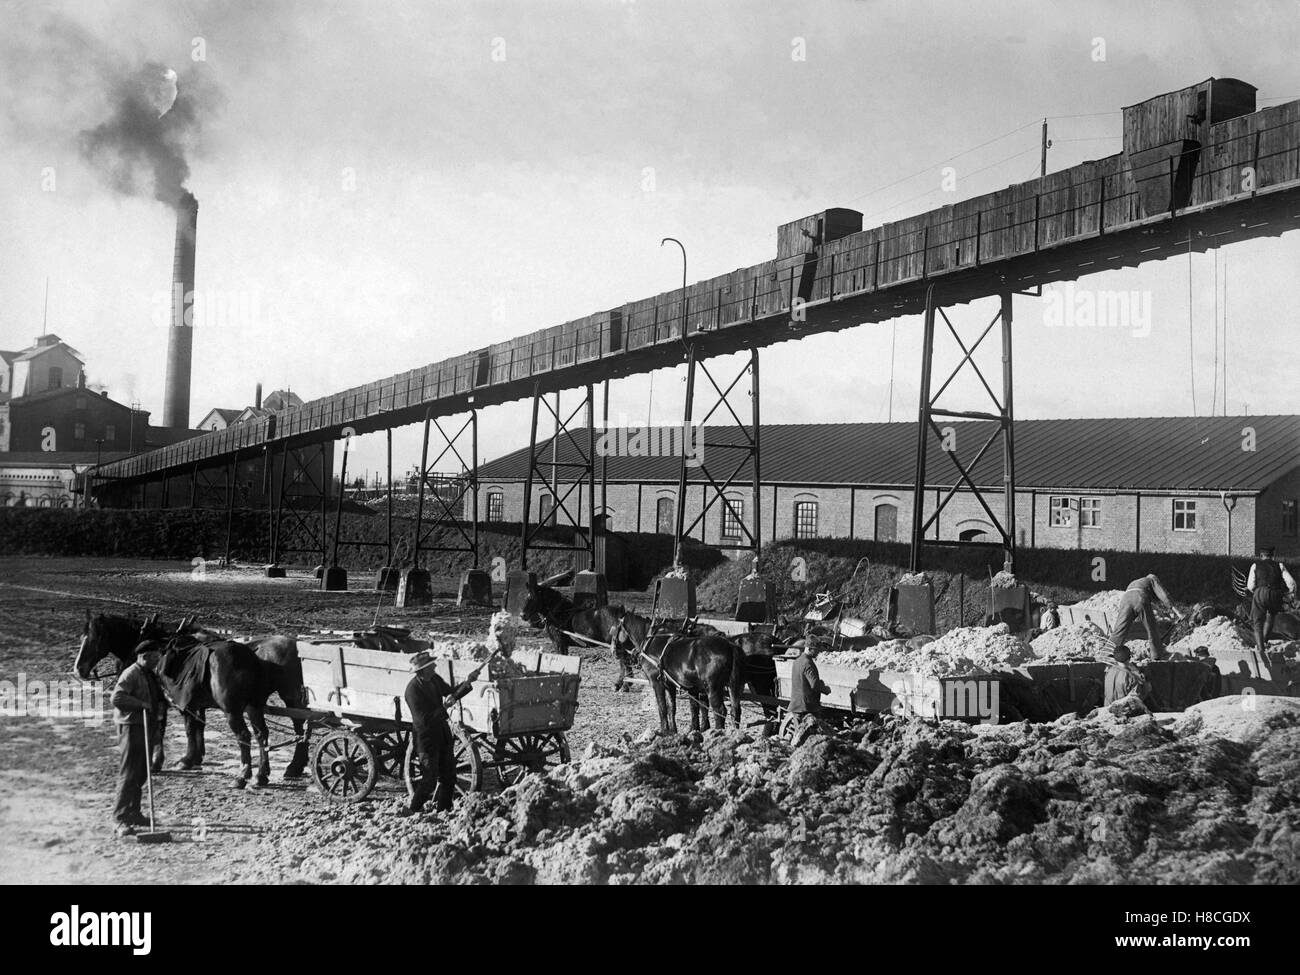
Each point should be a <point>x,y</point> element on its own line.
<point>1132,484</point>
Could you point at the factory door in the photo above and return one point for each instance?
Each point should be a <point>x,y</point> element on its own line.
<point>886,523</point>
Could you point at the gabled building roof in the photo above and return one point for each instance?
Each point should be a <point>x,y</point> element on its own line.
<point>281,399</point>
<point>227,416</point>
<point>45,395</point>
<point>44,344</point>
<point>1112,454</point>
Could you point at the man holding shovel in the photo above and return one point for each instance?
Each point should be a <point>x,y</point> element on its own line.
<point>1138,603</point>
<point>427,697</point>
<point>137,698</point>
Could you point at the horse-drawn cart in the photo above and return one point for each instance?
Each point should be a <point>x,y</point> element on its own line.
<point>504,728</point>
<point>856,693</point>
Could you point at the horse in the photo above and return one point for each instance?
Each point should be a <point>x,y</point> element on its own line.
<point>278,656</point>
<point>118,636</point>
<point>550,610</point>
<point>104,635</point>
<point>702,666</point>
<point>759,669</point>
<point>600,625</point>
<point>200,674</point>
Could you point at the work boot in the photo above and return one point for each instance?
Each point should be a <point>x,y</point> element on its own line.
<point>135,819</point>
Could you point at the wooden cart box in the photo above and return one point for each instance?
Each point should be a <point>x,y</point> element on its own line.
<point>353,681</point>
<point>853,690</point>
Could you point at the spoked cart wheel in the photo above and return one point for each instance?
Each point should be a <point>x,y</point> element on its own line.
<point>469,766</point>
<point>344,766</point>
<point>518,755</point>
<point>390,751</point>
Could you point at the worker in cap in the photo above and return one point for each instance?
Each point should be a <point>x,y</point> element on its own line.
<point>427,696</point>
<point>1268,584</point>
<point>1137,603</point>
<point>137,698</point>
<point>1123,678</point>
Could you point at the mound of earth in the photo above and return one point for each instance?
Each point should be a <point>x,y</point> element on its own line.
<point>1219,635</point>
<point>1250,719</point>
<point>1102,602</point>
<point>1112,798</point>
<point>1080,640</point>
<point>968,650</point>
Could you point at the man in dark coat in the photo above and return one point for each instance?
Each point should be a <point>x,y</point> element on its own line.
<point>806,690</point>
<point>427,697</point>
<point>137,698</point>
<point>1268,583</point>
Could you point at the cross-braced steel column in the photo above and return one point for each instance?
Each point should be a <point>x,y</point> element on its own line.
<point>1003,416</point>
<point>210,486</point>
<point>579,470</point>
<point>274,489</point>
<point>334,578</point>
<point>304,485</point>
<point>446,530</point>
<point>232,474</point>
<point>448,491</point>
<point>744,448</point>
<point>388,577</point>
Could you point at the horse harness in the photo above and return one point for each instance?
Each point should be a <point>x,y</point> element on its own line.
<point>656,662</point>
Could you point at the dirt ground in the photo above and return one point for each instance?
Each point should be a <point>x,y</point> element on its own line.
<point>1116,796</point>
<point>57,774</point>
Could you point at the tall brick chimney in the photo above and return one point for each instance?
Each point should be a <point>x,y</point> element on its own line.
<point>180,337</point>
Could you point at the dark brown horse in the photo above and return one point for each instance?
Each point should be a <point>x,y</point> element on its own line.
<point>104,636</point>
<point>760,650</point>
<point>550,610</point>
<point>281,674</point>
<point>118,636</point>
<point>225,674</point>
<point>705,668</point>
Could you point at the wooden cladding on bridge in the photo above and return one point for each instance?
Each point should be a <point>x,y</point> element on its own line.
<point>1187,114</point>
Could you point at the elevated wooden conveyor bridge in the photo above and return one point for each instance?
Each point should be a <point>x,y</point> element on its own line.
<point>1200,168</point>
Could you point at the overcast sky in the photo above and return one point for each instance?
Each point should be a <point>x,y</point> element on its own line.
<point>383,185</point>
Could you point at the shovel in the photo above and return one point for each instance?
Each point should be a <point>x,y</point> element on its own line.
<point>154,835</point>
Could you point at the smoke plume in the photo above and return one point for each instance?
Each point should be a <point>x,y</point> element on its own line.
<point>142,149</point>
<point>70,90</point>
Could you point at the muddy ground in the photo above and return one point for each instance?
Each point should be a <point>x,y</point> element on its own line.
<point>1212,796</point>
<point>57,775</point>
